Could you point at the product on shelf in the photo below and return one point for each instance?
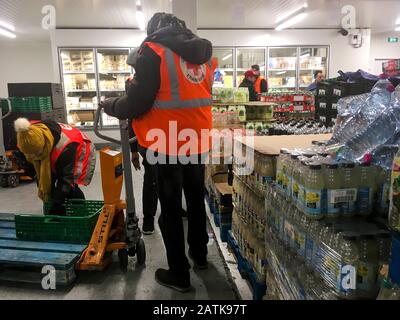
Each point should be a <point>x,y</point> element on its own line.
<point>368,122</point>
<point>327,259</point>
<point>298,127</point>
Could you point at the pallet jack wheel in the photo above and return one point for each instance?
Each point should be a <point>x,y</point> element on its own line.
<point>141,252</point>
<point>13,180</point>
<point>3,181</point>
<point>123,259</point>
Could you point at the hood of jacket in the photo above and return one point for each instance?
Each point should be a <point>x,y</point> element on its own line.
<point>184,43</point>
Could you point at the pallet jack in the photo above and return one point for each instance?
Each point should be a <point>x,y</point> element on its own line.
<point>115,230</point>
<point>10,172</point>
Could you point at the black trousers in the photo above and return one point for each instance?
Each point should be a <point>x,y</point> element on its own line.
<point>149,194</point>
<point>171,179</point>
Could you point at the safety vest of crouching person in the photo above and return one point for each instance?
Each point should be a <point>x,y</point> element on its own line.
<point>182,108</point>
<point>63,158</point>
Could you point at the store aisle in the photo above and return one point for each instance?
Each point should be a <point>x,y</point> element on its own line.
<point>137,283</point>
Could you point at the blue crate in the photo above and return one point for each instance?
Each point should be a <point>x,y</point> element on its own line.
<point>258,288</point>
<point>394,267</point>
<point>217,219</point>
<point>223,231</point>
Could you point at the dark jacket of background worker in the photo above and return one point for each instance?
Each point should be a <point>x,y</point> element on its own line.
<point>63,158</point>
<point>168,37</point>
<point>260,85</point>
<point>318,77</point>
<point>248,82</point>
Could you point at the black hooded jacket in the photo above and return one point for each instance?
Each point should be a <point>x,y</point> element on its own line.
<point>140,97</point>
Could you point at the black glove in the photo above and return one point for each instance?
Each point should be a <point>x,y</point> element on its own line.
<point>108,106</point>
<point>57,209</point>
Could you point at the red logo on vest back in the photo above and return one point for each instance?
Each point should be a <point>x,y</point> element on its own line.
<point>195,73</point>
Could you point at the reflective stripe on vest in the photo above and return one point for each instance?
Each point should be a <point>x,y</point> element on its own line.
<point>176,102</point>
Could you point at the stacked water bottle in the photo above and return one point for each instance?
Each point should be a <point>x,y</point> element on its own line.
<point>344,251</point>
<point>322,260</point>
<point>248,218</point>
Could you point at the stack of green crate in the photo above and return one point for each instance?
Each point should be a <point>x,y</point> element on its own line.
<point>31,104</point>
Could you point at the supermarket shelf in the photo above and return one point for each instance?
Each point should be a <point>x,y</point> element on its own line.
<point>82,110</point>
<point>80,90</point>
<point>251,104</point>
<point>115,72</point>
<point>112,90</point>
<point>280,87</point>
<point>241,286</point>
<point>78,72</point>
<point>258,120</point>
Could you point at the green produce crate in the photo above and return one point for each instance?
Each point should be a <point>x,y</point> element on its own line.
<point>31,104</point>
<point>76,227</point>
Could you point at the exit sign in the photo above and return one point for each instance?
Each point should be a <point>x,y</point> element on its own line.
<point>393,39</point>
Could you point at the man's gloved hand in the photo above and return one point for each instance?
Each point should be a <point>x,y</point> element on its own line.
<point>57,209</point>
<point>136,160</point>
<point>108,105</point>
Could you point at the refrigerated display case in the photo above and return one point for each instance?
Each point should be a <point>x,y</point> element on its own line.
<point>311,59</point>
<point>79,79</point>
<point>91,75</point>
<point>282,68</point>
<point>112,74</point>
<point>224,72</point>
<point>245,58</point>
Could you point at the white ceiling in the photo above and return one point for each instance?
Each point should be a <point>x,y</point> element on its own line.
<point>25,15</point>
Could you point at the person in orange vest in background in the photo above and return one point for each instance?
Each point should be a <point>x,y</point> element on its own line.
<point>63,158</point>
<point>171,107</point>
<point>261,85</point>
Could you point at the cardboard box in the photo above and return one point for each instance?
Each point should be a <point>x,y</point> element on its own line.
<point>271,145</point>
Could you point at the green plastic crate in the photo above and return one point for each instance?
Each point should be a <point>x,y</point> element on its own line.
<point>31,104</point>
<point>76,227</point>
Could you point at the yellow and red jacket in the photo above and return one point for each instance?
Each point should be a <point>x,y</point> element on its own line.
<point>182,106</point>
<point>257,84</point>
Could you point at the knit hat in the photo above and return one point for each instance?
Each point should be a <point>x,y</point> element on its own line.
<point>30,138</point>
<point>249,73</point>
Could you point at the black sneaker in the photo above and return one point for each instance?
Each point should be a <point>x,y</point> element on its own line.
<point>148,227</point>
<point>200,264</point>
<point>177,282</point>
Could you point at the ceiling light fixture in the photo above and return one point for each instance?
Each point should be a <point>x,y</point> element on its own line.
<point>289,14</point>
<point>7,26</point>
<point>397,29</point>
<point>398,21</point>
<point>227,57</point>
<point>7,34</point>
<point>292,20</point>
<point>140,15</point>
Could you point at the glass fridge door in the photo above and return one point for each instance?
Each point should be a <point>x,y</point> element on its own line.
<point>282,66</point>
<point>245,58</point>
<point>78,69</point>
<point>311,60</point>
<point>113,72</point>
<point>224,72</point>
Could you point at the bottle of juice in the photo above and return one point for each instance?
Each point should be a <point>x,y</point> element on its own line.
<point>314,185</point>
<point>367,269</point>
<point>333,183</point>
<point>366,189</point>
<point>349,189</point>
<point>386,290</point>
<point>302,174</point>
<point>384,248</point>
<point>292,162</point>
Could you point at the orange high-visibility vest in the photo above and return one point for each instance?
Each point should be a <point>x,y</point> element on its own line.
<point>181,114</point>
<point>85,158</point>
<point>257,84</point>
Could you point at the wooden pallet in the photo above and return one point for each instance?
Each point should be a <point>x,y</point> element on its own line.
<point>23,261</point>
